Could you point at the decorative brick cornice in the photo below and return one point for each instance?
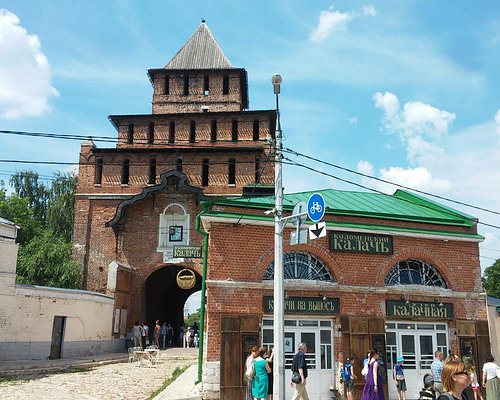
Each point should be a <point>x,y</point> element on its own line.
<point>181,183</point>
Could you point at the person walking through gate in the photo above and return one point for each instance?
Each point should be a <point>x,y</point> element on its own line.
<point>437,368</point>
<point>163,333</point>
<point>136,332</point>
<point>373,389</point>
<point>156,333</point>
<point>299,364</point>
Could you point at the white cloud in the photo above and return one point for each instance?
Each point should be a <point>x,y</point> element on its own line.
<point>423,118</point>
<point>418,178</point>
<point>387,102</point>
<point>417,147</point>
<point>25,78</point>
<point>331,20</point>
<point>417,124</point>
<point>365,167</point>
<point>328,22</point>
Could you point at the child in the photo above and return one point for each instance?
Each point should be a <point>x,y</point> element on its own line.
<point>428,393</point>
<point>196,340</point>
<point>399,378</point>
<point>475,384</point>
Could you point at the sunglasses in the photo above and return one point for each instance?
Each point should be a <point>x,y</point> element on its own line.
<point>462,373</point>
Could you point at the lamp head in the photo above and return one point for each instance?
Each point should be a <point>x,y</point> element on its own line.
<point>276,81</point>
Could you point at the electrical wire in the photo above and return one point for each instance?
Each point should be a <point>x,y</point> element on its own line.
<point>296,164</point>
<point>150,143</point>
<point>290,151</point>
<point>261,172</point>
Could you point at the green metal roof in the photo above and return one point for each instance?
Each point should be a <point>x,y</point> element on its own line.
<point>402,206</point>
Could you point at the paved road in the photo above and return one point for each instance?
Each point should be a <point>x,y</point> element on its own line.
<point>112,381</point>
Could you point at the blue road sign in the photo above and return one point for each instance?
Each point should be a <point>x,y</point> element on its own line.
<point>316,207</point>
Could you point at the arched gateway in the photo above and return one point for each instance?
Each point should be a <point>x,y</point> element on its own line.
<point>165,300</point>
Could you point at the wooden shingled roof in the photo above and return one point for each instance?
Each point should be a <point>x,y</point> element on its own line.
<point>201,51</point>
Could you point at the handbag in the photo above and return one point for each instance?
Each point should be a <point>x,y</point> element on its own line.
<point>364,371</point>
<point>250,372</point>
<point>296,377</point>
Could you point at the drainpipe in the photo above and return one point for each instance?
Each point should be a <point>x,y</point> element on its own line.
<point>205,205</point>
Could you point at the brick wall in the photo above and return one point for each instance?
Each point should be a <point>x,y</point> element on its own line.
<point>243,252</point>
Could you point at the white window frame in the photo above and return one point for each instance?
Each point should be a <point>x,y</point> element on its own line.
<point>168,220</point>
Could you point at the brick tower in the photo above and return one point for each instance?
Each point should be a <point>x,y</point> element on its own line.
<point>136,200</point>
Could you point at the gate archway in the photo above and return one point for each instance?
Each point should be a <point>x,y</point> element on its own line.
<point>165,300</point>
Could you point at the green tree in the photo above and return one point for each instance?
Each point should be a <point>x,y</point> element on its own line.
<point>26,185</point>
<point>192,318</point>
<point>18,210</point>
<point>45,216</point>
<point>46,260</point>
<point>491,279</point>
<point>61,204</point>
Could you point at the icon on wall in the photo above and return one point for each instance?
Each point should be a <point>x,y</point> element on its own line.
<point>175,233</point>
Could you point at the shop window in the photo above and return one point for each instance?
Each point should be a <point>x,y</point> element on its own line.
<point>98,171</point>
<point>256,129</point>
<point>204,172</point>
<point>174,227</point>
<point>166,85</point>
<point>152,171</point>
<point>171,132</point>
<point>225,84</point>
<point>414,272</point>
<point>231,175</point>
<point>234,130</point>
<point>300,265</point>
<point>213,130</point>
<point>125,171</point>
<point>192,131</point>
<point>151,133</point>
<point>130,134</point>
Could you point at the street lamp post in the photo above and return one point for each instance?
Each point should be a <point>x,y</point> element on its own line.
<point>279,331</point>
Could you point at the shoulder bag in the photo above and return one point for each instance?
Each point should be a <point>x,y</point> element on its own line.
<point>296,377</point>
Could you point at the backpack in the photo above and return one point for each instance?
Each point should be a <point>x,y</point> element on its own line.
<point>345,372</point>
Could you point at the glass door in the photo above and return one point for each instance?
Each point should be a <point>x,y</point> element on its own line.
<point>318,336</point>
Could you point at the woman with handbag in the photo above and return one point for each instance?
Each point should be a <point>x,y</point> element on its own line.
<point>250,371</point>
<point>260,382</point>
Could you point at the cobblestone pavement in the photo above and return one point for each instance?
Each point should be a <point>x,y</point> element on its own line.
<point>112,381</point>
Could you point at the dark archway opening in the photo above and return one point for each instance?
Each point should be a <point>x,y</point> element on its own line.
<point>165,300</point>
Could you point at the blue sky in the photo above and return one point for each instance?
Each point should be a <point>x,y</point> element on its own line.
<point>403,90</point>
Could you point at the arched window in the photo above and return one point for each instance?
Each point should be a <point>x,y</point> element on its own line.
<point>299,265</point>
<point>414,272</point>
<point>174,227</point>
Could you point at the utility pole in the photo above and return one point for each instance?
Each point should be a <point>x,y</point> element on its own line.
<point>279,293</point>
